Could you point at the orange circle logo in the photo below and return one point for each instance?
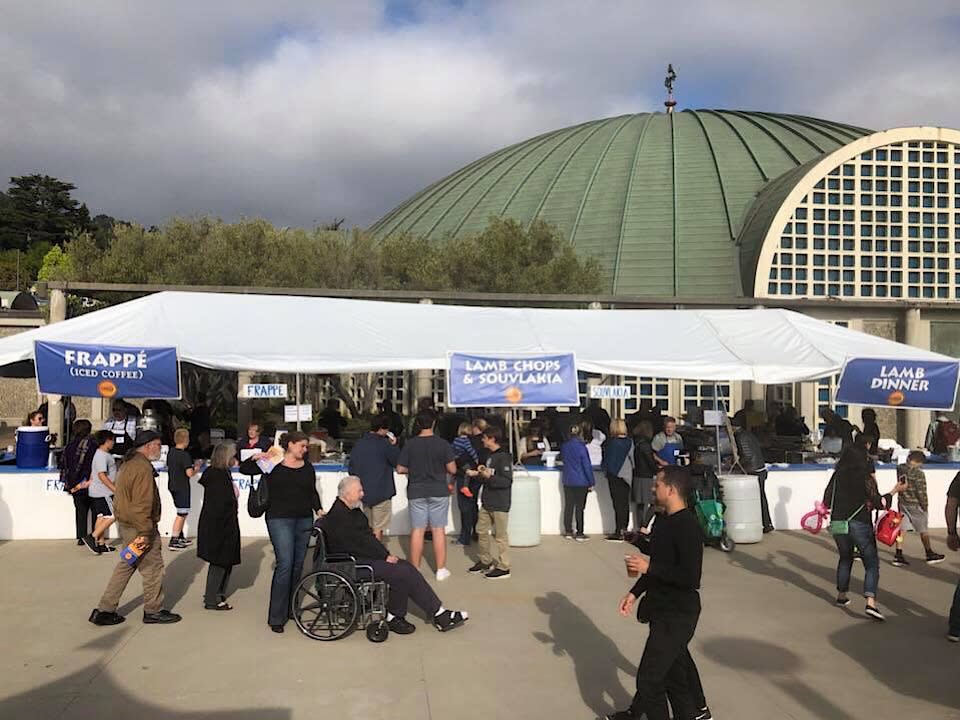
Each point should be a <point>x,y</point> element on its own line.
<point>106,389</point>
<point>896,398</point>
<point>513,395</point>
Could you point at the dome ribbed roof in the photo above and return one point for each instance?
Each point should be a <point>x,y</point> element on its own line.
<point>657,199</point>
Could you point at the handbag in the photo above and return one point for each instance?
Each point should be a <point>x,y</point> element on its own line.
<point>888,527</point>
<point>258,501</point>
<point>840,527</point>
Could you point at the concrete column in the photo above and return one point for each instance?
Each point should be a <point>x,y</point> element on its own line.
<point>98,412</point>
<point>675,402</point>
<point>58,313</point>
<point>423,378</point>
<point>807,404</point>
<point>915,422</point>
<point>244,405</point>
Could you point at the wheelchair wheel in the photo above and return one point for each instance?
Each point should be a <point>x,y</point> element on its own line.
<point>325,606</point>
<point>377,632</point>
<point>726,543</point>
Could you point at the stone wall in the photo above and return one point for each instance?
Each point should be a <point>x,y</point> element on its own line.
<point>18,397</point>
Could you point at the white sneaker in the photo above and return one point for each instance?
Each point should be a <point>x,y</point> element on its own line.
<point>442,574</point>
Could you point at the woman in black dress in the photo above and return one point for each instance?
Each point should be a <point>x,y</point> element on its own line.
<point>218,534</point>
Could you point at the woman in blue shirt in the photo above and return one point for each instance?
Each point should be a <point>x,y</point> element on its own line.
<point>577,479</point>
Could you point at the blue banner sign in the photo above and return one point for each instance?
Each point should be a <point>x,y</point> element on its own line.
<point>918,385</point>
<point>511,381</point>
<point>107,370</point>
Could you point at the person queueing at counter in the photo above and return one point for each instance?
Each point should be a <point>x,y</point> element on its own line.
<point>669,584</point>
<point>497,483</point>
<point>180,468</point>
<point>103,476</point>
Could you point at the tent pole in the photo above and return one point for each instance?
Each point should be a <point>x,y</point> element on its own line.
<point>298,401</point>
<point>716,407</point>
<point>513,427</point>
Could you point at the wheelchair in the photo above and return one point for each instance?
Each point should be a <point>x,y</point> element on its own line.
<point>339,595</point>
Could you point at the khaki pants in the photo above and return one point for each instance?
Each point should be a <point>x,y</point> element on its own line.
<point>151,572</point>
<point>379,515</point>
<point>498,522</point>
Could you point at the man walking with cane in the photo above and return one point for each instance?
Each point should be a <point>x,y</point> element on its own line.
<point>669,584</point>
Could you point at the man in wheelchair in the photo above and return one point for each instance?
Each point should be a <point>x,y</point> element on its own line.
<point>347,531</point>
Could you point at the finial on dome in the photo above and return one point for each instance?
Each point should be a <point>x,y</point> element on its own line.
<point>668,82</point>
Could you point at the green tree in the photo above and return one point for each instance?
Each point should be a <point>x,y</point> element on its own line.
<point>40,209</point>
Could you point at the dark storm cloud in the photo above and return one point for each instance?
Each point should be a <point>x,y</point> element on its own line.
<point>302,111</point>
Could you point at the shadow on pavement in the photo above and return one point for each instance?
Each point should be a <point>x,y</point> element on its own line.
<point>910,625</point>
<point>597,661</point>
<point>778,665</point>
<point>252,559</point>
<point>769,568</point>
<point>883,654</point>
<point>112,700</point>
<point>178,575</point>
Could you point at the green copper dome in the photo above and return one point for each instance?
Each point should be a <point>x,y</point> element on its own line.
<point>659,200</point>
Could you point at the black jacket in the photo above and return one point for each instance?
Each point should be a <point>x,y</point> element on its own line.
<point>751,453</point>
<point>497,489</point>
<point>856,492</point>
<point>218,532</point>
<point>644,466</point>
<point>671,584</point>
<point>348,531</point>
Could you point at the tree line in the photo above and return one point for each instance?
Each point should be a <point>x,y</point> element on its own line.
<point>58,240</point>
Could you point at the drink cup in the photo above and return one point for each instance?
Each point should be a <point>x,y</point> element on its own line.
<point>630,572</point>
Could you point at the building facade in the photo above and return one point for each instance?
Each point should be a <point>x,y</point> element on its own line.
<point>741,208</point>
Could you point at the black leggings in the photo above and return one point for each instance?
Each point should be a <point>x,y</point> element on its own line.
<point>574,501</point>
<point>620,497</point>
<point>83,505</point>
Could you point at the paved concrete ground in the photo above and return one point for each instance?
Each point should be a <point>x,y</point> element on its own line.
<point>545,644</point>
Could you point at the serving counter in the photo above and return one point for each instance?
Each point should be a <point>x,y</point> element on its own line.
<point>34,506</point>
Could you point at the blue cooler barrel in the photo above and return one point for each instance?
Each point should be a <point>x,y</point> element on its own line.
<point>523,524</point>
<point>33,447</point>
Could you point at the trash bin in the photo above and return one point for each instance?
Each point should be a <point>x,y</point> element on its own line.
<point>523,525</point>
<point>741,511</point>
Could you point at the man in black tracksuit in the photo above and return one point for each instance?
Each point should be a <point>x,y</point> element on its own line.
<point>669,584</point>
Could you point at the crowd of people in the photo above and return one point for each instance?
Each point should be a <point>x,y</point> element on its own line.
<point>640,457</point>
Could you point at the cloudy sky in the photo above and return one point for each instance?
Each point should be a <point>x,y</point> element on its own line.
<point>303,110</point>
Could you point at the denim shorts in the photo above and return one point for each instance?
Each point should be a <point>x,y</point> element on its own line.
<point>432,511</point>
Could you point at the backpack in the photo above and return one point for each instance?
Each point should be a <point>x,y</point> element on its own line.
<point>947,434</point>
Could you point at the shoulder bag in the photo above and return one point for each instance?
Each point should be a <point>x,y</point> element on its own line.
<point>258,501</point>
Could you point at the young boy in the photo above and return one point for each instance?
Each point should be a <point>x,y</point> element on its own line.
<point>913,504</point>
<point>103,473</point>
<point>497,480</point>
<point>180,468</point>
<point>466,458</point>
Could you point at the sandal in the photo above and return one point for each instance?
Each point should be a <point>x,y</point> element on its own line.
<point>222,605</point>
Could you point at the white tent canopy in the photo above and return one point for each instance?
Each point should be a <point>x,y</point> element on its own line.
<point>313,335</point>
